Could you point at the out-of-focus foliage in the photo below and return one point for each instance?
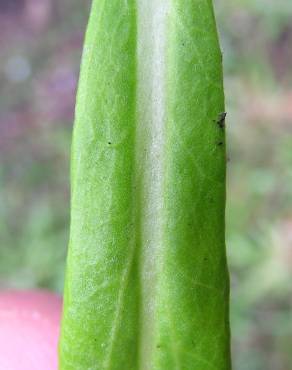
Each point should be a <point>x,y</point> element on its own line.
<point>256,39</point>
<point>40,49</point>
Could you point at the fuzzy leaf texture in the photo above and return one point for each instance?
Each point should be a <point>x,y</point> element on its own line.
<point>147,283</point>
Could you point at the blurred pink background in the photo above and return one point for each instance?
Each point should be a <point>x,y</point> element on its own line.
<point>29,330</point>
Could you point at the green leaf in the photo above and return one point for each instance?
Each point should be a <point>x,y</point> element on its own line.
<point>147,283</point>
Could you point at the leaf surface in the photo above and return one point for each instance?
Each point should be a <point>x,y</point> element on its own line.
<point>147,283</point>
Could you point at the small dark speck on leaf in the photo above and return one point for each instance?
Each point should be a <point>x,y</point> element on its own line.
<point>109,143</point>
<point>220,143</point>
<point>221,120</point>
<point>158,346</point>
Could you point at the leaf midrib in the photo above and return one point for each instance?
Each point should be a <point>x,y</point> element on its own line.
<point>149,169</point>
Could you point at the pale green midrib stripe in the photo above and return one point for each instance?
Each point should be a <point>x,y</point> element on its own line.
<point>149,146</point>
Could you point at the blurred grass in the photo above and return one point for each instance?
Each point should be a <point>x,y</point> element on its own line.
<point>43,45</point>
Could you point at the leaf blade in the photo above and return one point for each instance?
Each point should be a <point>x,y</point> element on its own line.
<point>147,282</point>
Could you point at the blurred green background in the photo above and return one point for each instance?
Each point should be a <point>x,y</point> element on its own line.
<point>40,49</point>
